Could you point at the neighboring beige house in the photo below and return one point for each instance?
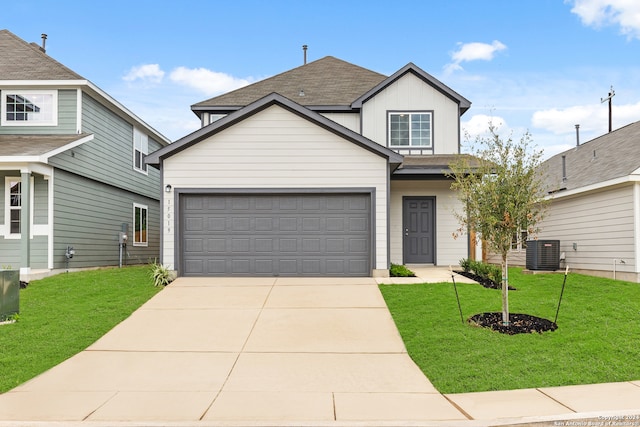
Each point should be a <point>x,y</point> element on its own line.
<point>595,205</point>
<point>326,169</point>
<point>594,212</point>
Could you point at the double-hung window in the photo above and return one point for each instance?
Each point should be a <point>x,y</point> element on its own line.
<point>140,150</point>
<point>29,107</point>
<point>13,206</point>
<point>140,225</point>
<point>410,129</point>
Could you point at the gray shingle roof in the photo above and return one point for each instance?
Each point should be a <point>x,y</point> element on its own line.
<point>34,145</point>
<point>20,60</point>
<point>610,156</point>
<point>158,156</point>
<point>326,82</point>
<point>437,164</point>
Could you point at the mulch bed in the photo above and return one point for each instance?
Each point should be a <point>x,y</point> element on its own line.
<point>484,281</point>
<point>519,323</point>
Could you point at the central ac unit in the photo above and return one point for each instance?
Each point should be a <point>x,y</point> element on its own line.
<point>543,255</point>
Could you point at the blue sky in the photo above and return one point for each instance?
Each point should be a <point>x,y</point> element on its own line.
<point>536,65</point>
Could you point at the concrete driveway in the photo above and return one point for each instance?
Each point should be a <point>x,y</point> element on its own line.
<point>275,352</point>
<point>258,349</point>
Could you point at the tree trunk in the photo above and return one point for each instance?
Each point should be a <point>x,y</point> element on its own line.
<point>505,292</point>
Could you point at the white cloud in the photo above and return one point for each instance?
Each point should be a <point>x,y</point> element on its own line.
<point>147,73</point>
<point>473,52</point>
<point>478,125</point>
<point>592,118</point>
<point>207,81</point>
<point>599,13</point>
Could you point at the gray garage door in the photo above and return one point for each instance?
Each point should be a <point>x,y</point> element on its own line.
<point>275,235</point>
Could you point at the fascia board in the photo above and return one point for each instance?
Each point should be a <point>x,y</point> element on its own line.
<point>593,187</point>
<point>463,103</point>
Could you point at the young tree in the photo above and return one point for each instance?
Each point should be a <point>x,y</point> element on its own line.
<point>500,186</point>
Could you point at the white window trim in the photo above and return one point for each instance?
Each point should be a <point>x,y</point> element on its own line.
<point>145,207</point>
<point>5,229</point>
<point>523,236</point>
<point>410,113</point>
<point>3,107</point>
<point>144,139</point>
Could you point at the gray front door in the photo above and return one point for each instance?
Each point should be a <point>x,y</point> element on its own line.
<point>275,234</point>
<point>418,230</point>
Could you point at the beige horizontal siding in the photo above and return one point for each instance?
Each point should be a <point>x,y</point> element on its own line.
<point>449,251</point>
<point>277,149</point>
<point>601,225</point>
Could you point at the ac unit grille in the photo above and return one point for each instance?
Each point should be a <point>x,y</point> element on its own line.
<point>543,255</point>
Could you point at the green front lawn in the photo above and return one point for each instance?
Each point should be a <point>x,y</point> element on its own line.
<point>64,314</point>
<point>597,340</point>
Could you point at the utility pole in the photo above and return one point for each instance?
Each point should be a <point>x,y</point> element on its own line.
<point>608,98</point>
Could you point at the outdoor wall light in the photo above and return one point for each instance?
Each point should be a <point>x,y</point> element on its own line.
<point>167,188</point>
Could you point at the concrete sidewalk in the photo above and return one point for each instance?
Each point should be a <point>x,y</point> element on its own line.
<point>276,351</point>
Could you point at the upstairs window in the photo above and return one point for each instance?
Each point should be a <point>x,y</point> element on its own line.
<point>140,150</point>
<point>408,130</point>
<point>29,108</point>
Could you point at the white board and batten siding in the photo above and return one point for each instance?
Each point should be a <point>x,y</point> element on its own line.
<point>449,251</point>
<point>276,149</point>
<point>410,93</point>
<point>602,225</point>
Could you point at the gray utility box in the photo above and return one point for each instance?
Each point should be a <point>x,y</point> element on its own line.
<point>543,255</point>
<point>9,293</point>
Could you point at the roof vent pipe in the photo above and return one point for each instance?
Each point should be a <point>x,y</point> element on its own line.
<point>44,42</point>
<point>577,135</point>
<point>304,49</point>
<point>564,168</point>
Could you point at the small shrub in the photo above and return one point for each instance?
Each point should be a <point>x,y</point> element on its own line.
<point>481,269</point>
<point>465,264</point>
<point>495,273</point>
<point>160,274</point>
<point>397,270</point>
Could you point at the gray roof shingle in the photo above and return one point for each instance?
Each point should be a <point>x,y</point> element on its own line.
<point>35,145</point>
<point>610,156</point>
<point>20,60</point>
<point>327,81</point>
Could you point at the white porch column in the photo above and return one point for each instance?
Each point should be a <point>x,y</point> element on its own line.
<point>25,222</point>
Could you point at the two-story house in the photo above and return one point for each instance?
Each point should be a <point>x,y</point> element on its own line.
<point>326,169</point>
<point>72,172</point>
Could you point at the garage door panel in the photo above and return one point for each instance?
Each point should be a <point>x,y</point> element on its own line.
<point>216,266</point>
<point>194,224</point>
<point>240,246</point>
<point>216,224</point>
<point>264,224</point>
<point>194,266</point>
<point>194,245</point>
<point>335,245</point>
<point>241,266</point>
<point>216,245</point>
<point>310,234</point>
